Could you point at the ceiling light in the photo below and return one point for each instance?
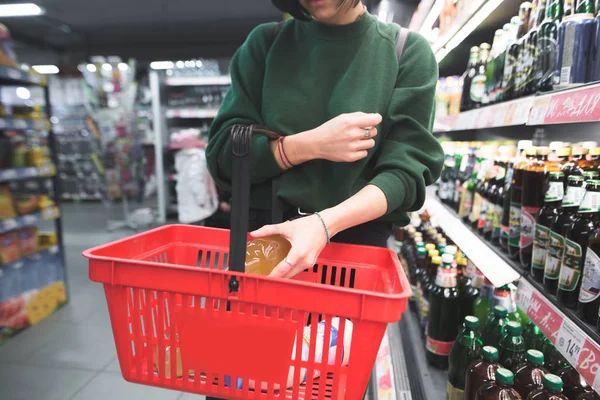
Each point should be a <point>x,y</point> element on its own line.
<point>20,10</point>
<point>180,64</point>
<point>434,13</point>
<point>162,65</point>
<point>91,67</point>
<point>107,67</point>
<point>123,67</point>
<point>46,69</point>
<point>198,64</point>
<point>23,93</point>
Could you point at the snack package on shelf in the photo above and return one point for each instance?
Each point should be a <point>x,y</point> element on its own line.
<point>9,248</point>
<point>8,57</point>
<point>7,209</point>
<point>27,204</point>
<point>28,240</point>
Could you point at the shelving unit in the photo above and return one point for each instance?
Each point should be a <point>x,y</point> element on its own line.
<point>33,285</point>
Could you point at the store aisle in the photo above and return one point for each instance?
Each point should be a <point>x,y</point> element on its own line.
<point>71,355</point>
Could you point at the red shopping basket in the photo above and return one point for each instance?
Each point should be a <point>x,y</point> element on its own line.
<point>184,319</point>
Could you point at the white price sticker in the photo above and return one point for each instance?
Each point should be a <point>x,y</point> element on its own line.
<point>8,174</point>
<point>569,342</point>
<point>524,295</point>
<point>9,224</point>
<point>29,219</point>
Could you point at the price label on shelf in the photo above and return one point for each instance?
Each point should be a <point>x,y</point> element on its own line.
<point>30,219</point>
<point>53,250</point>
<point>20,123</point>
<point>14,73</point>
<point>579,105</point>
<point>538,111</point>
<point>9,224</point>
<point>524,294</point>
<point>570,342</point>
<point>543,314</point>
<point>30,172</point>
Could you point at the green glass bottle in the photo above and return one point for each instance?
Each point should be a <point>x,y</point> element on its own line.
<point>483,303</point>
<point>495,329</point>
<point>552,389</point>
<point>512,346</point>
<point>467,349</point>
<point>528,376</point>
<point>534,338</point>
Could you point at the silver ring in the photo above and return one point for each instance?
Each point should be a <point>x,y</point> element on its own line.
<point>287,261</point>
<point>367,134</point>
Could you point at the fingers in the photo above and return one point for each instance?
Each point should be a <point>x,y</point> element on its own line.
<point>364,120</point>
<point>359,133</point>
<point>293,264</point>
<point>364,144</point>
<point>267,230</point>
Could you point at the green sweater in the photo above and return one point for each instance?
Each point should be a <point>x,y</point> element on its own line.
<point>312,73</point>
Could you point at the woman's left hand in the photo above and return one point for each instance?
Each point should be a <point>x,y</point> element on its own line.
<point>307,237</point>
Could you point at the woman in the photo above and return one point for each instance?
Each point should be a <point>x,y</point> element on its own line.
<point>357,151</point>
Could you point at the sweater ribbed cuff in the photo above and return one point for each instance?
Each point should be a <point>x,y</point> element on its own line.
<point>393,187</point>
<point>265,165</point>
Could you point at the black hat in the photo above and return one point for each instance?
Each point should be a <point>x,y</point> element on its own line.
<point>293,8</point>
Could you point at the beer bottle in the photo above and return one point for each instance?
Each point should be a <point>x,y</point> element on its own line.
<point>574,165</point>
<point>483,191</point>
<point>512,346</point>
<point>495,329</point>
<point>466,350</point>
<point>573,383</point>
<point>500,389</point>
<point>490,69</point>
<point>547,46</point>
<point>534,338</point>
<point>507,214</point>
<point>516,198</point>
<point>543,224</point>
<point>561,223</point>
<point>443,314</point>
<point>465,171</point>
<point>468,195</point>
<point>530,85</point>
<point>510,61</point>
<point>468,293</point>
<point>498,193</point>
<point>576,243</point>
<point>424,285</point>
<point>589,295</point>
<point>551,390</point>
<point>483,303</point>
<point>592,161</point>
<point>584,7</point>
<point>518,49</point>
<point>528,376</point>
<point>466,102</point>
<point>455,200</point>
<point>481,371</point>
<point>478,83</point>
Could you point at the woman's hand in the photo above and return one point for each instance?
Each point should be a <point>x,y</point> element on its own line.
<point>341,139</point>
<point>307,236</point>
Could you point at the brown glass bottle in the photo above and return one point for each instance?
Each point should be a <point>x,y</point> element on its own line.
<point>573,166</point>
<point>481,372</point>
<point>576,243</point>
<point>573,383</point>
<point>516,194</point>
<point>532,199</point>
<point>592,161</point>
<point>528,375</point>
<point>500,389</point>
<point>467,292</point>
<point>507,198</point>
<point>589,295</point>
<point>561,223</point>
<point>543,224</point>
<point>591,395</point>
<point>552,390</point>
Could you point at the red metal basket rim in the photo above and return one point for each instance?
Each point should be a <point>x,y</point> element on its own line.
<point>403,280</point>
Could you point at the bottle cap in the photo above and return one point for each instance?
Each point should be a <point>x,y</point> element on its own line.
<point>552,383</point>
<point>556,175</point>
<point>505,377</point>
<point>447,258</point>
<point>434,252</point>
<point>442,247</point>
<point>588,145</point>
<point>421,251</point>
<point>531,151</point>
<point>436,260</point>
<point>595,151</point>
<point>484,46</point>
<point>535,357</point>
<point>564,152</point>
<point>577,150</point>
<point>474,49</point>
<point>514,328</point>
<point>575,178</point>
<point>462,261</point>
<point>543,151</point>
<point>490,353</point>
<point>500,311</point>
<point>450,250</point>
<point>430,246</point>
<point>471,322</point>
<point>523,144</point>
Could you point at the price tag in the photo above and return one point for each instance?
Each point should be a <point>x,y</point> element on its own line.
<point>544,315</point>
<point>29,219</point>
<point>14,73</point>
<point>524,295</point>
<point>569,342</point>
<point>9,224</point>
<point>8,174</point>
<point>30,172</point>
<point>20,124</point>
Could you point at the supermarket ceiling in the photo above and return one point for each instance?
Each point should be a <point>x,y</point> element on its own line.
<point>147,29</point>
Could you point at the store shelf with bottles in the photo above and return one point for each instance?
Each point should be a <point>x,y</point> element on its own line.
<point>45,214</point>
<point>13,174</point>
<point>13,75</point>
<point>11,123</point>
<point>200,113</point>
<point>198,80</point>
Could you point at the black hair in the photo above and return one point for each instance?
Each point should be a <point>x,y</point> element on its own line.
<point>294,8</point>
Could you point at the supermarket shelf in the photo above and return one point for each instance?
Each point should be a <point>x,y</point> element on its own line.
<point>180,146</point>
<point>192,113</point>
<point>458,25</point>
<point>495,267</point>
<point>16,174</point>
<point>567,106</point>
<point>578,342</point>
<point>198,80</point>
<point>23,221</point>
<point>10,123</point>
<point>18,76</point>
<point>34,256</point>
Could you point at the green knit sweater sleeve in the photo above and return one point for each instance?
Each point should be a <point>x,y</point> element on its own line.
<point>411,158</point>
<point>240,106</point>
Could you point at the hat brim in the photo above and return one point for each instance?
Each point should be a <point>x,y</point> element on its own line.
<point>293,8</point>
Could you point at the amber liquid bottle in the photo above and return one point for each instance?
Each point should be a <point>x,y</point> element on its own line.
<point>481,372</point>
<point>576,243</point>
<point>543,224</point>
<point>589,295</point>
<point>528,376</point>
<point>534,188</point>
<point>561,223</point>
<point>574,384</point>
<point>500,389</point>
<point>263,255</point>
<point>573,166</point>
<point>516,196</point>
<point>552,390</point>
<point>506,201</point>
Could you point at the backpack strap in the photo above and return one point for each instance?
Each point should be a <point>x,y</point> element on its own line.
<point>276,29</point>
<point>401,39</point>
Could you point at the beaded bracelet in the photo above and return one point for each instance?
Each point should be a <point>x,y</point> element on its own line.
<point>324,226</point>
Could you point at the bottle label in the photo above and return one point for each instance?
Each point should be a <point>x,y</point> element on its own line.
<point>446,277</point>
<point>497,216</point>
<point>555,192</point>
<point>454,393</point>
<point>573,196</point>
<point>504,232</point>
<point>471,270</point>
<point>467,203</point>
<point>483,213</point>
<point>515,224</point>
<point>527,225</point>
<point>570,269</point>
<point>556,247</point>
<point>540,246</point>
<point>439,348</point>
<point>477,88</point>
<point>476,209</point>
<point>590,202</point>
<point>590,281</point>
<point>478,280</point>
<point>505,299</point>
<point>457,191</point>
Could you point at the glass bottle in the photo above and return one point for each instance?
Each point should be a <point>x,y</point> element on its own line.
<point>512,346</point>
<point>509,213</point>
<point>424,286</point>
<point>551,390</point>
<point>467,292</point>
<point>481,371</point>
<point>505,296</point>
<point>466,102</point>
<point>528,375</point>
<point>574,165</point>
<point>589,295</point>
<point>547,46</point>
<point>496,327</point>
<point>478,83</point>
<point>466,350</point>
<point>516,192</point>
<point>500,389</point>
<point>483,303</point>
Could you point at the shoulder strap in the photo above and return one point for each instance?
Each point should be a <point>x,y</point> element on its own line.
<point>401,38</point>
<point>276,30</point>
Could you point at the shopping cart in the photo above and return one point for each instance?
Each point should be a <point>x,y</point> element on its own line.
<point>185,316</point>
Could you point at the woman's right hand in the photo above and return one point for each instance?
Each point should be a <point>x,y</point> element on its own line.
<point>341,139</point>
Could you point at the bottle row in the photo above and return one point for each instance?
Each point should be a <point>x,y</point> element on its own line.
<point>490,347</point>
<point>551,43</point>
<point>539,205</point>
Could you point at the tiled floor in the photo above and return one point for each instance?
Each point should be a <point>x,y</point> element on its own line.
<point>71,355</point>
